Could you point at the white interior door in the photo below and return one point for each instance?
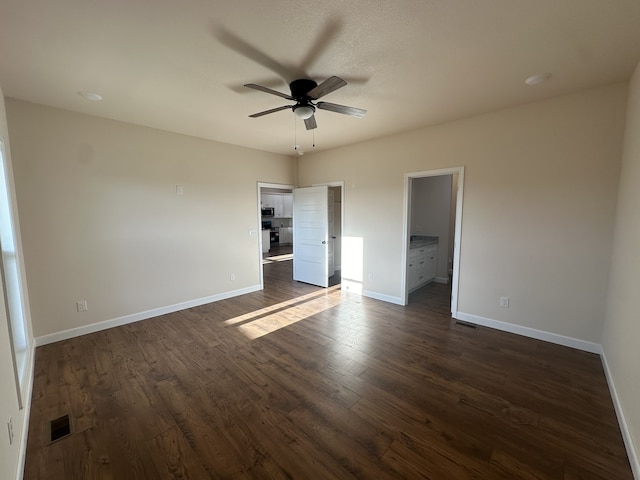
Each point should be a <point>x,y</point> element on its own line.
<point>311,235</point>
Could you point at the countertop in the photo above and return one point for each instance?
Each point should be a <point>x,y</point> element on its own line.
<point>417,241</point>
<point>276,229</point>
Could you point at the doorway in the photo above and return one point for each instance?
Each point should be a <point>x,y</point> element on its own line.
<point>283,252</point>
<point>275,223</point>
<point>432,226</point>
<point>335,234</point>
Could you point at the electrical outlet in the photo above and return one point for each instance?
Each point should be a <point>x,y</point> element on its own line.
<point>179,190</point>
<point>81,306</point>
<point>370,276</point>
<point>10,428</point>
<point>232,276</point>
<point>504,302</point>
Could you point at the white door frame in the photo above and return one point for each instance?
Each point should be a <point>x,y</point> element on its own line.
<point>456,237</point>
<point>262,185</point>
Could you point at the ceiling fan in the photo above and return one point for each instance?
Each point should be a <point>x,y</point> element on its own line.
<point>305,93</point>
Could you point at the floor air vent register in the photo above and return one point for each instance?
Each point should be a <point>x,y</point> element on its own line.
<point>466,324</point>
<point>59,428</point>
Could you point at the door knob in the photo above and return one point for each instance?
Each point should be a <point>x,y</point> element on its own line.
<point>324,242</point>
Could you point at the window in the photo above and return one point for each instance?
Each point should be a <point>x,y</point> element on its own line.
<point>10,270</point>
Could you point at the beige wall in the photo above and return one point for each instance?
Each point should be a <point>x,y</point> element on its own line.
<point>622,325</point>
<point>539,203</point>
<point>10,455</point>
<point>101,220</point>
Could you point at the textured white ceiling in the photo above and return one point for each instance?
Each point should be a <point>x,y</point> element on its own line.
<point>180,65</point>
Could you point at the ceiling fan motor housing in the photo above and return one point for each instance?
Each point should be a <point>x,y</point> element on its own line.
<point>300,88</point>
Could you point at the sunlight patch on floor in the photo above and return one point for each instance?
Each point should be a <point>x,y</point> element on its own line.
<point>278,258</point>
<point>269,319</point>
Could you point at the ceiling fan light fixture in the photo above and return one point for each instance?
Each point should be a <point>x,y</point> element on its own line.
<point>94,97</point>
<point>538,78</point>
<point>304,111</point>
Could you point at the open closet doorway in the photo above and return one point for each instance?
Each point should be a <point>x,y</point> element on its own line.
<point>335,233</point>
<point>432,224</point>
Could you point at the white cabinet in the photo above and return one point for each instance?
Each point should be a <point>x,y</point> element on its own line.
<point>267,200</point>
<point>287,208</point>
<point>278,206</point>
<point>417,260</point>
<point>282,204</point>
<point>432,262</point>
<point>266,241</point>
<point>286,235</point>
<point>275,202</point>
<point>422,265</point>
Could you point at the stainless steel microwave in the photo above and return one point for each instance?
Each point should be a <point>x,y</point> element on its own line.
<point>267,212</point>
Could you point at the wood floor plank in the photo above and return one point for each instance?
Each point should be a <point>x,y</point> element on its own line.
<point>44,462</point>
<point>176,459</point>
<point>416,461</point>
<point>453,443</point>
<point>202,435</point>
<point>292,447</point>
<point>298,382</point>
<point>356,450</point>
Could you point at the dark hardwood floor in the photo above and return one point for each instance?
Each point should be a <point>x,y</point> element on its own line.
<point>306,383</point>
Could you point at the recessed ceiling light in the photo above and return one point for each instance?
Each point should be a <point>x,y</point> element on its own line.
<point>538,78</point>
<point>94,97</point>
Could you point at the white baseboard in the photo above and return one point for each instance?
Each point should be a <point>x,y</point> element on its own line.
<point>634,461</point>
<point>531,332</point>
<point>384,298</point>
<point>441,279</point>
<point>136,317</point>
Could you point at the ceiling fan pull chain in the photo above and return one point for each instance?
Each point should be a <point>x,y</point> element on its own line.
<point>295,134</point>
<point>313,132</point>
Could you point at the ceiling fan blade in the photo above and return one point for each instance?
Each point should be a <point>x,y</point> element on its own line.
<point>310,122</point>
<point>329,85</point>
<point>324,39</point>
<point>334,107</point>
<point>273,110</point>
<point>245,49</point>
<point>269,90</point>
